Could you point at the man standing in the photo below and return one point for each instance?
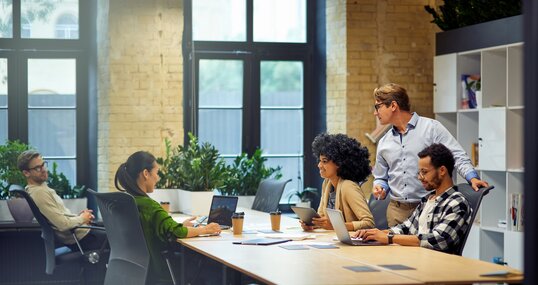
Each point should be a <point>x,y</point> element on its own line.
<point>52,207</point>
<point>396,160</point>
<point>443,216</point>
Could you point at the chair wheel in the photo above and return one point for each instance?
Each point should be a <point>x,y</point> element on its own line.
<point>93,257</point>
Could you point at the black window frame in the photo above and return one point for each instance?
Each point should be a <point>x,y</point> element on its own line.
<point>18,50</point>
<point>311,53</point>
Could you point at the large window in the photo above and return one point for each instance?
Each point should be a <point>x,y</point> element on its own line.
<point>249,71</point>
<point>44,79</point>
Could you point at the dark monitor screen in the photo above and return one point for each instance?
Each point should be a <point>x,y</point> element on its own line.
<point>222,209</point>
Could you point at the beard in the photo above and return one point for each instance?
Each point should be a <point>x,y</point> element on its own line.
<point>433,184</point>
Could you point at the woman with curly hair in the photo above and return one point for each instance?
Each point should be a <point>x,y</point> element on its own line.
<point>344,164</point>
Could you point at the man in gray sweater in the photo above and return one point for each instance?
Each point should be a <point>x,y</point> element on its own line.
<point>34,168</point>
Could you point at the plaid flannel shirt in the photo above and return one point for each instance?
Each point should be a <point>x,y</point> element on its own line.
<point>450,220</point>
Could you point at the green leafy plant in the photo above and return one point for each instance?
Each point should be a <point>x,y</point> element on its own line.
<point>9,173</point>
<point>245,174</point>
<point>196,167</point>
<point>305,195</point>
<point>59,182</point>
<point>460,13</point>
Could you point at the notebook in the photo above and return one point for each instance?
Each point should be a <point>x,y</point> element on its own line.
<point>221,210</point>
<point>337,220</point>
<point>261,241</point>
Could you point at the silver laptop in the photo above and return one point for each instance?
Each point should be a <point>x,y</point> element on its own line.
<point>337,220</point>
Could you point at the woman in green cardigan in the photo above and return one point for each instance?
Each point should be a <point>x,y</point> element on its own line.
<point>138,176</point>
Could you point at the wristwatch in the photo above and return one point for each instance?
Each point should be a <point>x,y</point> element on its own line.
<point>390,235</point>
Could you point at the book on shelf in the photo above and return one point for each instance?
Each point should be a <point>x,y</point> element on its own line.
<point>474,154</point>
<point>515,212</point>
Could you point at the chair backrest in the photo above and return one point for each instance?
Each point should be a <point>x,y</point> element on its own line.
<point>47,233</point>
<point>129,254</point>
<point>474,198</point>
<point>269,194</point>
<point>379,211</point>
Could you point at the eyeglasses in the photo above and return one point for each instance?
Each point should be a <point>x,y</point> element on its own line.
<point>423,172</point>
<point>378,105</point>
<point>39,168</point>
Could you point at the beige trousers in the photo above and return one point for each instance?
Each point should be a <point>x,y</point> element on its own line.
<point>398,212</point>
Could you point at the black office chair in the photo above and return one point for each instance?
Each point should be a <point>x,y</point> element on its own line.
<point>379,211</point>
<point>57,253</point>
<point>129,254</point>
<point>474,198</point>
<point>269,194</point>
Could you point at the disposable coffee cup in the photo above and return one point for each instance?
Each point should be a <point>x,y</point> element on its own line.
<point>275,220</point>
<point>166,206</point>
<point>237,223</point>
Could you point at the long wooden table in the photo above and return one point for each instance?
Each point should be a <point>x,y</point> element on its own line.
<point>275,265</point>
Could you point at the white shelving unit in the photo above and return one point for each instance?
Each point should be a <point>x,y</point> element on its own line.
<point>497,127</point>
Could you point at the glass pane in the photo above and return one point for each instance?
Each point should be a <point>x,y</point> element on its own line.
<point>52,132</point>
<point>3,126</point>
<point>52,82</point>
<point>280,21</point>
<point>6,18</point>
<point>221,128</point>
<point>281,83</point>
<point>3,82</point>
<point>219,20</point>
<point>66,27</point>
<point>282,131</point>
<point>43,19</point>
<point>67,167</point>
<point>292,168</point>
<point>221,83</point>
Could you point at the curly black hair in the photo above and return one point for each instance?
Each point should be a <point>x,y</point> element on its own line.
<point>347,153</point>
<point>439,155</point>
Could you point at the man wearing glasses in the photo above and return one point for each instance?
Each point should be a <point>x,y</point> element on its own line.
<point>396,159</point>
<point>34,168</point>
<point>442,217</point>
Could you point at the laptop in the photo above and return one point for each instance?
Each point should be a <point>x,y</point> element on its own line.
<point>337,220</point>
<point>221,210</point>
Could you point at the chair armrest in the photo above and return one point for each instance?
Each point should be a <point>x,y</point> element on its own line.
<point>90,227</point>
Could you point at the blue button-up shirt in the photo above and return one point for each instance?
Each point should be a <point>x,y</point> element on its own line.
<point>397,158</point>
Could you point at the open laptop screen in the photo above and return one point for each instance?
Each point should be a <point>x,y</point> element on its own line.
<point>222,209</point>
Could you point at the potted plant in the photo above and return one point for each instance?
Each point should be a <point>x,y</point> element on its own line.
<point>245,175</point>
<point>10,174</point>
<point>196,170</point>
<point>74,198</point>
<point>306,196</point>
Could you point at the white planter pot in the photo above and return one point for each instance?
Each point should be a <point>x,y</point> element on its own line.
<point>167,195</point>
<point>303,204</point>
<point>195,203</point>
<point>5,214</point>
<point>76,205</point>
<point>245,201</point>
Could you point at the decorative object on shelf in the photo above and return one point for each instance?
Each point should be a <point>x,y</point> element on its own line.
<point>245,174</point>
<point>460,13</point>
<point>470,84</point>
<point>515,212</point>
<point>378,133</point>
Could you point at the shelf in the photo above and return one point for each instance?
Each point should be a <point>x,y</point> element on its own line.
<point>467,110</point>
<point>516,108</point>
<point>515,170</point>
<point>494,229</point>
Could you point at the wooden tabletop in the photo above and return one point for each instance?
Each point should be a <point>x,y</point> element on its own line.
<point>275,265</point>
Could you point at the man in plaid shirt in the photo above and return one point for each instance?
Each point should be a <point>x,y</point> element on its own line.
<point>443,216</point>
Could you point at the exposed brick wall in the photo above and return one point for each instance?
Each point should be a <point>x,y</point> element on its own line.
<point>140,80</point>
<point>385,41</point>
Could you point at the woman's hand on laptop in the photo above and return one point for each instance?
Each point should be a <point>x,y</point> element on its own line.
<point>322,222</point>
<point>189,222</point>
<point>212,228</point>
